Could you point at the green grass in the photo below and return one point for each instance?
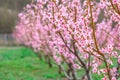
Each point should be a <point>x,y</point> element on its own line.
<point>22,64</point>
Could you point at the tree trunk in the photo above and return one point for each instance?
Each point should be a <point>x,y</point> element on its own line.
<point>88,74</point>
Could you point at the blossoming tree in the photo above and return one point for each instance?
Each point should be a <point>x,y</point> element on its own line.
<point>79,34</point>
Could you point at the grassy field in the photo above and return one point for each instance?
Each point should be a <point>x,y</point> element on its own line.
<point>22,64</point>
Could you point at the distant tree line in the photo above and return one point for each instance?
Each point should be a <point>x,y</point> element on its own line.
<point>14,4</point>
<point>8,13</point>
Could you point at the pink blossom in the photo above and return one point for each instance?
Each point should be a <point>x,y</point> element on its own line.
<point>63,31</point>
<point>113,78</point>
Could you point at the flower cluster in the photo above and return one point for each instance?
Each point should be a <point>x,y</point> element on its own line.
<point>79,34</point>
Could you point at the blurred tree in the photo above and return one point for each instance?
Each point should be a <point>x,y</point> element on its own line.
<point>14,4</point>
<point>8,13</point>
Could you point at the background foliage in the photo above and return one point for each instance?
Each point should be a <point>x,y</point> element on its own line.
<point>8,13</point>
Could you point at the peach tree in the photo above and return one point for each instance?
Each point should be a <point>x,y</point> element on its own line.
<point>76,34</point>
